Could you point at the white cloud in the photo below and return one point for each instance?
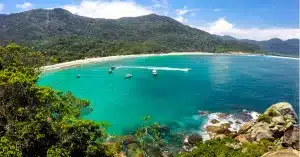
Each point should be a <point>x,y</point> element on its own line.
<point>160,3</point>
<point>1,7</point>
<point>182,13</point>
<point>224,27</point>
<point>181,19</point>
<point>25,5</point>
<point>108,9</point>
<point>185,11</point>
<point>217,9</point>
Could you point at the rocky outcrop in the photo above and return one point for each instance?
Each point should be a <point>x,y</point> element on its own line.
<point>218,129</point>
<point>283,153</point>
<point>194,139</point>
<point>277,123</point>
<point>291,137</point>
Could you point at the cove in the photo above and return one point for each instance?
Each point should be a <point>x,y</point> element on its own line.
<point>219,83</point>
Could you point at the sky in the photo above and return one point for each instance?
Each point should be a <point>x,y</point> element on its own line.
<point>243,19</point>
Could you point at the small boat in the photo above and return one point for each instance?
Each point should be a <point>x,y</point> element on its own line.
<point>154,72</point>
<point>113,68</point>
<point>128,76</point>
<point>78,76</point>
<point>110,71</point>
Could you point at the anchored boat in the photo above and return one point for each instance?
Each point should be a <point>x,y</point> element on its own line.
<point>154,72</point>
<point>128,76</point>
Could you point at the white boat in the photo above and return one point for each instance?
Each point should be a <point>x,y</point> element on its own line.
<point>110,71</point>
<point>154,72</point>
<point>78,76</point>
<point>128,76</point>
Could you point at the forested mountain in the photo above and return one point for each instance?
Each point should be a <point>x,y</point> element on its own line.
<point>273,46</point>
<point>67,36</point>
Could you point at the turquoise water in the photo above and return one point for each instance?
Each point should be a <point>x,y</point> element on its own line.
<point>214,83</point>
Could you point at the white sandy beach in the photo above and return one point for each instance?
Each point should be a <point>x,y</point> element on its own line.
<point>112,58</point>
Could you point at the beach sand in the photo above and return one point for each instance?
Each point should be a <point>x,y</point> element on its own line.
<point>112,58</point>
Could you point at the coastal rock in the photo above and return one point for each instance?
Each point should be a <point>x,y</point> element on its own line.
<point>278,120</point>
<point>223,115</point>
<point>260,131</point>
<point>283,109</point>
<point>218,129</point>
<point>203,113</point>
<point>243,138</point>
<point>214,121</point>
<point>283,153</point>
<point>245,127</point>
<point>291,138</point>
<point>194,139</point>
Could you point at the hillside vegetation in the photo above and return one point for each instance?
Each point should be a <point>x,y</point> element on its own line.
<point>67,36</point>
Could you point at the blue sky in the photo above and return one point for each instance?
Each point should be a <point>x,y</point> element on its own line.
<point>252,19</point>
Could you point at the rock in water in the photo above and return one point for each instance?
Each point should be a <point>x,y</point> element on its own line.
<point>217,129</point>
<point>194,139</point>
<point>214,121</point>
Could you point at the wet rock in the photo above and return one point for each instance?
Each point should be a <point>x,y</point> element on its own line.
<point>203,113</point>
<point>283,153</point>
<point>194,139</point>
<point>245,127</point>
<point>291,138</point>
<point>225,125</point>
<point>244,116</point>
<point>214,121</point>
<point>243,138</point>
<point>218,129</point>
<point>223,115</point>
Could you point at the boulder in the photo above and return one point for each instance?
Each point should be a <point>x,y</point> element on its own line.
<point>283,109</point>
<point>245,127</point>
<point>243,138</point>
<point>194,139</point>
<point>260,131</point>
<point>283,153</point>
<point>214,121</point>
<point>278,120</point>
<point>291,138</point>
<point>218,129</point>
<point>223,115</point>
<point>203,113</point>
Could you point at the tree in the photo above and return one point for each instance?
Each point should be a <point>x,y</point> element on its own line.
<point>38,121</point>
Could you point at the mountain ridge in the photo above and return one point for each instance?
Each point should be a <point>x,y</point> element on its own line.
<point>273,46</point>
<point>62,33</point>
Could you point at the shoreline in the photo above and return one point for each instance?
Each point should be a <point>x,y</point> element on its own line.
<point>75,63</point>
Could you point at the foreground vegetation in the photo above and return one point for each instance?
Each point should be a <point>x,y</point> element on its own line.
<point>39,121</point>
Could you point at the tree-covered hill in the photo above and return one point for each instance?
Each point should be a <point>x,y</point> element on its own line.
<point>62,33</point>
<point>273,46</point>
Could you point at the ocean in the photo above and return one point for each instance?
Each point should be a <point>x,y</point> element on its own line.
<point>184,86</point>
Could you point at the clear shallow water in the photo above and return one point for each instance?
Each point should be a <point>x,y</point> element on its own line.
<point>214,83</point>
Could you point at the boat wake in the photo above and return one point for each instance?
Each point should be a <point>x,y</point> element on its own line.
<point>154,68</point>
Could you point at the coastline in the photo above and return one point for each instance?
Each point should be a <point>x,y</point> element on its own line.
<point>75,63</point>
